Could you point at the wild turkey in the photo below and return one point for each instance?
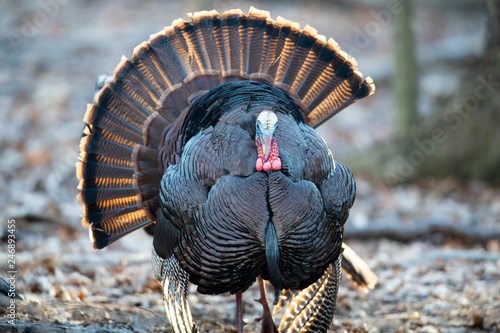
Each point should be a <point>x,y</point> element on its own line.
<point>206,137</point>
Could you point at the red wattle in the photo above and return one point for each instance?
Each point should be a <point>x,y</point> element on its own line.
<point>276,164</point>
<point>273,161</point>
<point>259,164</point>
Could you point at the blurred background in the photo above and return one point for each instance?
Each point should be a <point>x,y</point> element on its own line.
<point>424,151</point>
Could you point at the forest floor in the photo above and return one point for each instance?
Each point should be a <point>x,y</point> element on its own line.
<point>435,245</point>
<point>435,273</point>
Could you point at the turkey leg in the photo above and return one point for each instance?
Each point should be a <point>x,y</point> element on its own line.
<point>239,312</point>
<point>268,325</point>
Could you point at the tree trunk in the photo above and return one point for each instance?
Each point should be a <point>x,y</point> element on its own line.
<point>405,79</point>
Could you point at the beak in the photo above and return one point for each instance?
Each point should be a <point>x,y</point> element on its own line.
<point>266,138</point>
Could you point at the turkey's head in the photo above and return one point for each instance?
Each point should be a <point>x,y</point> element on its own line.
<point>268,153</point>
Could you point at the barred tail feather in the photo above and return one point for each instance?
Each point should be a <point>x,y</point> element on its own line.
<point>357,270</point>
<point>106,168</point>
<point>312,309</point>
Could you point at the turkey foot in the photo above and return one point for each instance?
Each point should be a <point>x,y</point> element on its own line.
<point>268,325</point>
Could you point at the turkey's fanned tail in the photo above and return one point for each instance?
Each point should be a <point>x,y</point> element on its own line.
<point>122,154</point>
